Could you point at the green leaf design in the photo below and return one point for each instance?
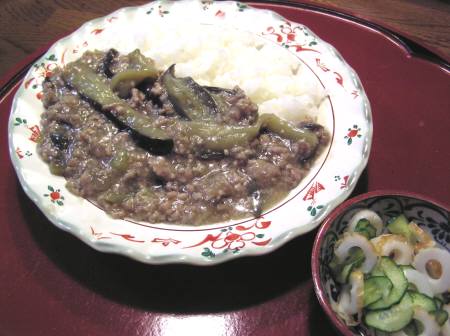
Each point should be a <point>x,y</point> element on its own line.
<point>241,6</point>
<point>50,188</point>
<point>18,121</point>
<point>260,235</point>
<point>313,212</point>
<point>208,253</point>
<point>349,141</point>
<point>309,208</point>
<point>59,203</point>
<point>319,207</point>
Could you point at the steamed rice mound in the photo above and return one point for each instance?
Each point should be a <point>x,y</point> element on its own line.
<point>271,77</point>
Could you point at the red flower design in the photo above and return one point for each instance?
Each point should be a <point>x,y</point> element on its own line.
<point>352,133</point>
<point>55,195</point>
<point>227,240</point>
<point>233,241</point>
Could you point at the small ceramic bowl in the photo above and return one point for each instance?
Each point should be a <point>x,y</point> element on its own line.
<point>428,214</point>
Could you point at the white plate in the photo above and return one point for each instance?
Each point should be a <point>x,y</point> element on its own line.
<point>332,178</point>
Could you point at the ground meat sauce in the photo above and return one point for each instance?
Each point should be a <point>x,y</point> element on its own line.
<point>130,176</point>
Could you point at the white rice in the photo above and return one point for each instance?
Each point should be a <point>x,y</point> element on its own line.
<point>271,76</point>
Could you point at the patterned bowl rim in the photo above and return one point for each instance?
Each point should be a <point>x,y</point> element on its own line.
<point>339,210</point>
<point>278,240</point>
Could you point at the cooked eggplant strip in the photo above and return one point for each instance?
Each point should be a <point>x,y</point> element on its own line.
<point>218,94</point>
<point>110,56</point>
<point>220,137</point>
<point>218,90</point>
<point>189,98</point>
<point>94,87</point>
<point>222,105</point>
<point>141,68</point>
<point>284,128</point>
<point>124,81</point>
<point>214,137</point>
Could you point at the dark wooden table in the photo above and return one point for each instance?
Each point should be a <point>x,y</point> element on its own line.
<point>26,25</point>
<point>52,284</point>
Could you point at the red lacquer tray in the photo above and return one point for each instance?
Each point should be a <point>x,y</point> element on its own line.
<point>53,284</point>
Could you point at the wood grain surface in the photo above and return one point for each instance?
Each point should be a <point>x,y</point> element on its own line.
<point>26,25</point>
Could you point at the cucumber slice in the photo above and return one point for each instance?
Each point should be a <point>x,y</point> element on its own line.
<point>398,280</point>
<point>377,271</point>
<point>392,319</point>
<point>365,228</point>
<point>422,301</point>
<point>441,317</point>
<point>376,288</point>
<point>400,226</point>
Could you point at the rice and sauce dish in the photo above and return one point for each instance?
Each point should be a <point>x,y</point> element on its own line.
<point>192,136</point>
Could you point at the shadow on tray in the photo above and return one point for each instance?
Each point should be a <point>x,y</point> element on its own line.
<point>175,288</point>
